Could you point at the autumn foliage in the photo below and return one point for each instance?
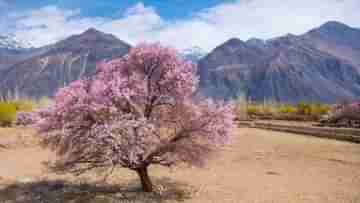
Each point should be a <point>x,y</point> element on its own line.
<point>136,111</point>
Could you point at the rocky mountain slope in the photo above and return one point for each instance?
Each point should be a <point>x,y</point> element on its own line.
<point>44,70</point>
<point>12,51</point>
<point>321,65</point>
<point>10,42</point>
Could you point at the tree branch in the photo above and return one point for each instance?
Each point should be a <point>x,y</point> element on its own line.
<point>136,109</point>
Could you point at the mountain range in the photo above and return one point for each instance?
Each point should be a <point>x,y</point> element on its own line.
<point>12,50</point>
<point>42,71</point>
<point>322,65</point>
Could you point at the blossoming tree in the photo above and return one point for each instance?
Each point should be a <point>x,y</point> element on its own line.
<point>136,111</point>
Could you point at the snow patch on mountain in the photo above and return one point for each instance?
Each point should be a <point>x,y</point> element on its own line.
<point>11,42</point>
<point>193,54</point>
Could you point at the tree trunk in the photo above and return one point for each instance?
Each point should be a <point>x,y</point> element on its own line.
<point>145,179</point>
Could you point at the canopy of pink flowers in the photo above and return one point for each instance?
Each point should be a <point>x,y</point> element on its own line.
<point>135,111</point>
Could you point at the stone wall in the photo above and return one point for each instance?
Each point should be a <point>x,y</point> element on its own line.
<point>344,134</point>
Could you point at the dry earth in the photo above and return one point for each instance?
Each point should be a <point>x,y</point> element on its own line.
<point>258,167</point>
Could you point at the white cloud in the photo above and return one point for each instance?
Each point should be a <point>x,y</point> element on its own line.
<point>139,23</point>
<point>262,19</point>
<point>50,24</point>
<point>208,28</point>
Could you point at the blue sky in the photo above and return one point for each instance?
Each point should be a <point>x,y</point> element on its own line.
<point>178,23</point>
<point>170,9</point>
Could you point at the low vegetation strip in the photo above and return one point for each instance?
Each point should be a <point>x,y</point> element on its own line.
<point>344,134</point>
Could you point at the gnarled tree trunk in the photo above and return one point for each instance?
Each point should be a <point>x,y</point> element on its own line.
<point>145,179</point>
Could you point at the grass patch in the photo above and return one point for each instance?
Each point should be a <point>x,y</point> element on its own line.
<point>271,110</point>
<point>7,113</point>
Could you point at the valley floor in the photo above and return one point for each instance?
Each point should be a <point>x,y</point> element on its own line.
<point>258,167</point>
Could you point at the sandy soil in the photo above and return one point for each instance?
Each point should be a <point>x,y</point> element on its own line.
<point>259,166</point>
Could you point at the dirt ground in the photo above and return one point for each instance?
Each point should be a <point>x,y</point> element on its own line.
<point>258,167</point>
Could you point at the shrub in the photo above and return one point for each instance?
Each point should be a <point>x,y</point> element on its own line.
<point>287,109</point>
<point>252,109</point>
<point>25,118</point>
<point>7,113</point>
<point>304,108</point>
<point>24,105</point>
<point>349,112</point>
<point>319,109</point>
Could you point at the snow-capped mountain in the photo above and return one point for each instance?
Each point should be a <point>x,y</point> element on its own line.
<point>13,51</point>
<point>193,54</point>
<point>11,42</point>
<point>41,71</point>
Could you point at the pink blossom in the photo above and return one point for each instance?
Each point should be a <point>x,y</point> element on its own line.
<point>136,111</point>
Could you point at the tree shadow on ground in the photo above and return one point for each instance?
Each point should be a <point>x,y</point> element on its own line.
<point>66,192</point>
